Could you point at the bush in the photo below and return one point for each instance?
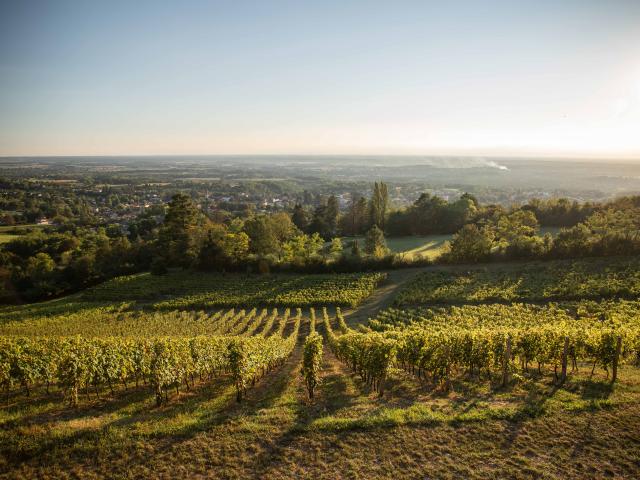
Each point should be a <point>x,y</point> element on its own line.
<point>159,266</point>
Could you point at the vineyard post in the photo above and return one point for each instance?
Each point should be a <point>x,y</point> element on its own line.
<point>383,378</point>
<point>565,352</point>
<point>616,359</point>
<point>506,374</point>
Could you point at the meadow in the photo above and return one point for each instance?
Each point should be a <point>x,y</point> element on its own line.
<point>411,247</point>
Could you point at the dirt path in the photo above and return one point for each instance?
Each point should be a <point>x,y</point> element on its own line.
<point>382,297</point>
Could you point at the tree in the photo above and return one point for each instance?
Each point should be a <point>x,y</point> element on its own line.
<point>332,213</point>
<point>267,233</point>
<point>302,248</point>
<point>158,266</point>
<point>300,218</point>
<point>212,256</point>
<point>178,239</point>
<point>40,269</point>
<point>335,248</point>
<point>355,248</point>
<point>375,244</point>
<point>471,244</point>
<point>355,220</point>
<point>262,238</point>
<point>235,246</point>
<point>378,205</point>
<point>282,226</point>
<point>325,218</point>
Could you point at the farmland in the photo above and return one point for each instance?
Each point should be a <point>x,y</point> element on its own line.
<point>536,281</point>
<point>186,290</point>
<point>140,376</point>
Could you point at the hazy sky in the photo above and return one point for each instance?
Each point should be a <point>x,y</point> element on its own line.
<point>477,77</point>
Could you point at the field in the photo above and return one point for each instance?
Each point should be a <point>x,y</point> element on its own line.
<point>188,290</point>
<point>11,232</point>
<point>141,376</point>
<point>429,246</point>
<point>541,281</point>
<point>7,237</point>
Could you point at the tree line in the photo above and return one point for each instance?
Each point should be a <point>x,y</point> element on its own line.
<point>46,263</point>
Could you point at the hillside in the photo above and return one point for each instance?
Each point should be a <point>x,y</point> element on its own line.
<point>534,427</point>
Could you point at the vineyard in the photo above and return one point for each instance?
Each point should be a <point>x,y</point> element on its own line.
<point>241,346</point>
<point>119,320</point>
<point>103,382</point>
<point>477,339</point>
<point>188,290</point>
<point>558,280</point>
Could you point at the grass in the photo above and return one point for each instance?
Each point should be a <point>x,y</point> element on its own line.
<point>11,232</point>
<point>20,229</point>
<point>7,237</point>
<point>429,246</point>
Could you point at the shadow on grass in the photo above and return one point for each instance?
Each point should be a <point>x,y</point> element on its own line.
<point>596,390</point>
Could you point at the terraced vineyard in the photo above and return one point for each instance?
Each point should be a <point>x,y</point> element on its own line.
<point>558,280</point>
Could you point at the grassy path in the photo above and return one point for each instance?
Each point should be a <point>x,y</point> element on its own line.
<point>382,297</point>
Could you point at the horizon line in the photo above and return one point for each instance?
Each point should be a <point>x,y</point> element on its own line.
<point>530,156</point>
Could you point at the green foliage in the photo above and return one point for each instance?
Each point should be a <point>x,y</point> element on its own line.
<point>159,266</point>
<point>312,361</point>
<point>161,362</point>
<point>335,248</point>
<point>312,320</point>
<point>342,325</point>
<point>430,214</point>
<point>180,234</point>
<point>471,244</point>
<point>436,343</point>
<point>375,244</point>
<point>325,218</point>
<point>302,249</point>
<point>370,355</point>
<point>378,205</point>
<point>268,233</point>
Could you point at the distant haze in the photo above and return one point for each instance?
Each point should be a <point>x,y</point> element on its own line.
<point>471,79</point>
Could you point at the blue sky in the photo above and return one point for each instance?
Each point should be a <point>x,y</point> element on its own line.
<point>192,77</point>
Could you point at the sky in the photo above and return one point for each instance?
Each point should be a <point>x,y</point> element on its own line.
<point>548,78</point>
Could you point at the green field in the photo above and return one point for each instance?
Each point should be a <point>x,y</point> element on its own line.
<point>7,237</point>
<point>11,232</point>
<point>20,229</point>
<point>429,246</point>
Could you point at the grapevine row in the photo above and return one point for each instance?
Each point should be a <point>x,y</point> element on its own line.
<point>77,364</point>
